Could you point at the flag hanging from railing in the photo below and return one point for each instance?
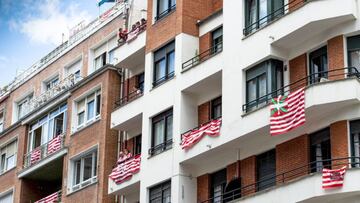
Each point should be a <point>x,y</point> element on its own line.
<point>50,199</point>
<point>333,178</point>
<point>192,137</point>
<point>35,155</point>
<point>54,145</point>
<point>287,112</point>
<point>126,169</point>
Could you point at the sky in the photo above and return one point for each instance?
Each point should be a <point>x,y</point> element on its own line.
<point>29,29</point>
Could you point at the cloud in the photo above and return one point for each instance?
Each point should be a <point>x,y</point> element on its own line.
<point>51,22</point>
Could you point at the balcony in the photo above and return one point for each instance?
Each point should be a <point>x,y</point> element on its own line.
<point>129,98</point>
<point>50,94</point>
<point>55,197</point>
<point>43,155</point>
<point>125,179</point>
<point>287,185</point>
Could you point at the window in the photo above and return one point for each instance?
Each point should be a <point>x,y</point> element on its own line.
<point>318,65</point>
<point>217,38</point>
<point>216,108</point>
<point>261,80</point>
<point>8,157</point>
<point>51,83</point>
<point>2,115</point>
<point>320,150</point>
<point>47,127</point>
<point>22,106</point>
<point>259,12</point>
<point>164,64</point>
<point>160,193</point>
<point>137,145</point>
<point>162,126</point>
<point>100,61</point>
<point>88,109</point>
<point>84,170</point>
<point>140,82</point>
<point>164,7</point>
<point>355,142</point>
<point>266,170</point>
<point>353,46</point>
<point>7,198</point>
<point>218,183</point>
<point>112,57</point>
<point>74,68</point>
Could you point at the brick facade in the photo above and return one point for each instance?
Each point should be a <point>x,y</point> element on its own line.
<point>233,171</point>
<point>248,174</point>
<point>290,155</point>
<point>297,68</point>
<point>203,188</point>
<point>336,57</point>
<point>339,142</point>
<point>203,113</point>
<point>204,42</point>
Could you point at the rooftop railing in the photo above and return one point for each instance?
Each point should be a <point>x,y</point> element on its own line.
<point>217,48</point>
<point>43,151</point>
<point>51,93</point>
<point>82,34</point>
<point>274,15</point>
<point>303,82</point>
<point>278,179</point>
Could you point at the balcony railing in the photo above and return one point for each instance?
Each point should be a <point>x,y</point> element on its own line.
<point>198,127</point>
<point>129,98</point>
<point>127,37</point>
<point>61,87</point>
<point>43,151</point>
<point>55,197</point>
<point>304,82</point>
<point>276,180</point>
<point>217,48</point>
<point>160,147</point>
<point>163,79</point>
<point>276,14</point>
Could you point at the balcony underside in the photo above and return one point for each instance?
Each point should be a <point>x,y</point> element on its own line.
<point>326,103</point>
<point>308,189</point>
<point>46,169</point>
<point>127,188</point>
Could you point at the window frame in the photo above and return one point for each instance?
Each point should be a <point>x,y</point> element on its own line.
<point>216,42</point>
<point>4,150</point>
<point>164,54</point>
<point>164,186</point>
<point>318,53</point>
<point>73,172</point>
<point>23,102</point>
<point>103,60</point>
<point>96,94</point>
<point>2,120</point>
<point>217,102</point>
<point>6,193</point>
<point>167,143</point>
<point>166,12</point>
<point>218,178</point>
<point>51,83</point>
<point>324,136</point>
<point>271,181</point>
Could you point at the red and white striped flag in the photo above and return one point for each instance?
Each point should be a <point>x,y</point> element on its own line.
<point>35,155</point>
<point>54,145</point>
<point>333,178</point>
<point>126,169</point>
<point>192,137</point>
<point>287,112</point>
<point>50,199</point>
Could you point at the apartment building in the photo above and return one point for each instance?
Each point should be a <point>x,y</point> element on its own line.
<point>196,63</point>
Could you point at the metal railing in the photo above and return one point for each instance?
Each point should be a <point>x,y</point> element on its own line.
<point>54,91</point>
<point>82,34</point>
<point>160,147</point>
<point>303,82</point>
<point>129,98</point>
<point>29,159</point>
<point>278,179</point>
<point>217,48</point>
<point>197,127</point>
<point>51,198</point>
<point>276,14</point>
<point>163,79</point>
<point>132,35</point>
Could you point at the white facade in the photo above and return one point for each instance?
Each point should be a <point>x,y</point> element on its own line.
<point>242,134</point>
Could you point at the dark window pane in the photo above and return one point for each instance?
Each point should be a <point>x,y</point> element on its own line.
<point>320,150</point>
<point>98,104</point>
<point>160,69</point>
<point>87,167</point>
<point>266,170</point>
<point>171,63</point>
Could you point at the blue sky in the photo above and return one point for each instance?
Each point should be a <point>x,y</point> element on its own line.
<point>30,29</point>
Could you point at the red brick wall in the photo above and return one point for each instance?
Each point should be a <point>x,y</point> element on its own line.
<point>203,188</point>
<point>248,174</point>
<point>203,113</point>
<point>204,42</point>
<point>295,4</point>
<point>292,154</point>
<point>297,68</point>
<point>217,5</point>
<point>339,142</point>
<point>336,57</point>
<point>232,171</point>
